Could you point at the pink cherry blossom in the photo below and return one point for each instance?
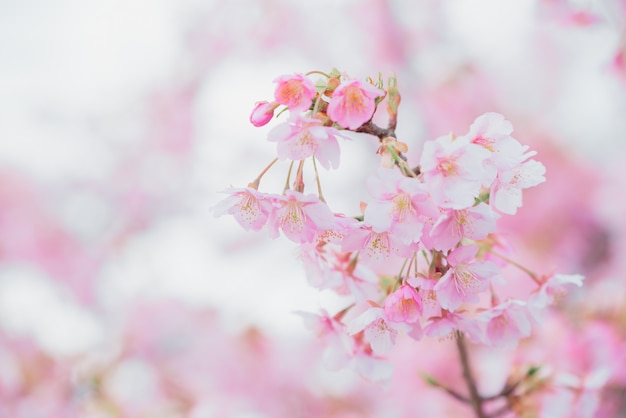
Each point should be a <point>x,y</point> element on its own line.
<point>262,113</point>
<point>302,137</point>
<point>379,331</point>
<point>375,247</point>
<point>338,346</point>
<point>299,216</point>
<point>329,268</point>
<point>473,223</point>
<point>404,305</point>
<point>552,288</point>
<point>506,191</point>
<point>464,279</point>
<point>427,294</point>
<point>249,207</point>
<point>295,91</point>
<point>353,103</point>
<point>492,132</point>
<point>400,205</point>
<point>506,324</point>
<point>453,171</point>
<point>443,326</point>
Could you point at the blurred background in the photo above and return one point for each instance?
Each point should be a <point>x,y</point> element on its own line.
<point>121,295</point>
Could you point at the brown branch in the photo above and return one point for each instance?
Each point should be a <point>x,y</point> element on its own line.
<point>373,129</point>
<point>475,399</point>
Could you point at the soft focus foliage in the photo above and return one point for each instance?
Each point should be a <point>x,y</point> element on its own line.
<point>122,296</point>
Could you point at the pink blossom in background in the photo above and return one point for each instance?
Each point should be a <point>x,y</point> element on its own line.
<point>118,141</point>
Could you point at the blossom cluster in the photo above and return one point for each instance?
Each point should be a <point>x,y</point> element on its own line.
<point>424,257</point>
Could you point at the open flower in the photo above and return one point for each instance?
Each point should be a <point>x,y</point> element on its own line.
<point>453,171</point>
<point>400,205</point>
<point>295,91</point>
<point>404,305</point>
<point>464,279</point>
<point>506,324</point>
<point>300,216</point>
<point>302,137</point>
<point>474,223</point>
<point>353,103</point>
<point>249,207</point>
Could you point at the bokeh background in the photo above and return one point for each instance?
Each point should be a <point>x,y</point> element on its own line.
<point>121,295</point>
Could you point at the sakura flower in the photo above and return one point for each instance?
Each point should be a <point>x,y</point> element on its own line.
<point>353,103</point>
<point>329,268</point>
<point>492,132</point>
<point>371,366</point>
<point>464,279</point>
<point>378,330</point>
<point>453,171</point>
<point>443,326</point>
<point>405,306</point>
<point>262,113</point>
<point>338,345</point>
<point>473,223</point>
<point>506,191</point>
<point>295,91</point>
<point>302,137</point>
<point>400,205</point>
<point>300,216</point>
<point>550,290</point>
<point>427,294</point>
<point>506,324</point>
<point>375,247</point>
<point>249,207</point>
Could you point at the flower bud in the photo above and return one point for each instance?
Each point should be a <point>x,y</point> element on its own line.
<point>262,113</point>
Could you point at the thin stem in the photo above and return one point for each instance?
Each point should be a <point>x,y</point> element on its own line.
<point>298,183</point>
<point>288,177</point>
<point>255,184</point>
<point>400,162</point>
<point>318,72</point>
<point>526,270</point>
<point>317,180</point>
<point>475,399</point>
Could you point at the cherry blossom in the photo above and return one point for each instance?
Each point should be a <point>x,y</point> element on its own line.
<point>302,137</point>
<point>401,205</point>
<point>262,113</point>
<point>353,103</point>
<point>506,191</point>
<point>295,91</point>
<point>299,216</point>
<point>379,331</point>
<point>506,324</point>
<point>403,305</point>
<point>473,223</point>
<point>550,290</point>
<point>464,279</point>
<point>249,207</point>
<point>453,171</point>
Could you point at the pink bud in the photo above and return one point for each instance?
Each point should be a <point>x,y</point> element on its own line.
<point>262,113</point>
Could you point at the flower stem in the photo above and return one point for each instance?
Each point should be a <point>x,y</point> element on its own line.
<point>255,184</point>
<point>475,399</point>
<point>526,270</point>
<point>317,180</point>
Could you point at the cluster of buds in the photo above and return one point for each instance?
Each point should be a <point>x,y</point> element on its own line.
<point>423,258</point>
